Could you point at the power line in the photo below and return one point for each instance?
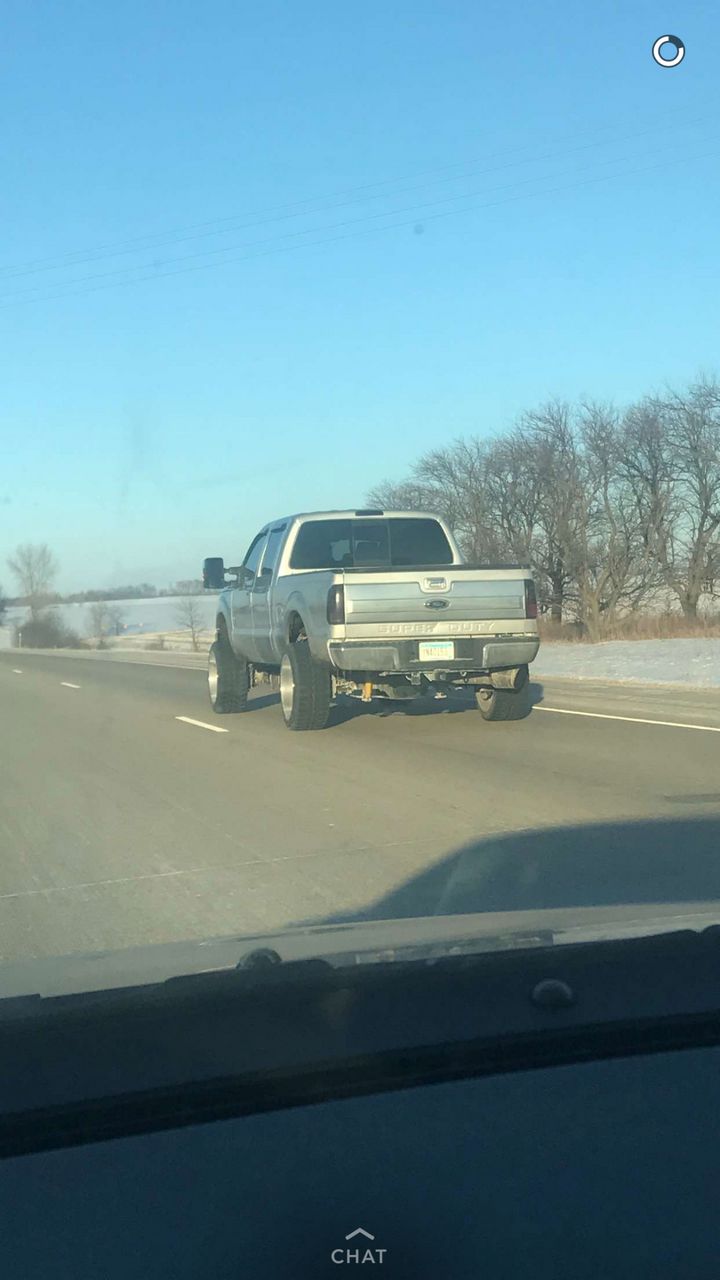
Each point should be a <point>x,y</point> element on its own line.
<point>225,249</point>
<point>285,212</point>
<point>366,231</point>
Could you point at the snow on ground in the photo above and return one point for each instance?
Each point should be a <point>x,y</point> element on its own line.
<point>687,662</point>
<point>140,616</point>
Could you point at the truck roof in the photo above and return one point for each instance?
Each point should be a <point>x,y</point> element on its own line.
<point>361,513</point>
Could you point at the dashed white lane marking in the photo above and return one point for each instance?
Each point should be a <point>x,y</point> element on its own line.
<point>200,724</point>
<point>665,724</point>
<point>16,671</point>
<point>67,685</point>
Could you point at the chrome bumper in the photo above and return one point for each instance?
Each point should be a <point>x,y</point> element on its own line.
<point>472,653</point>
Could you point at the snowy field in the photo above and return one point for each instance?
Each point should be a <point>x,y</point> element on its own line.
<point>139,616</point>
<point>689,662</point>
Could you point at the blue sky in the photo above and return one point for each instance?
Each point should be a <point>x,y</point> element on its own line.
<point>256,258</point>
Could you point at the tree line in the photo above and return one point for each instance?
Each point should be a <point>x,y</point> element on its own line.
<point>35,569</point>
<point>615,509</point>
<point>135,591</point>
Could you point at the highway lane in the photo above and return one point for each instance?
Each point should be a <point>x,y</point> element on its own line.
<point>121,824</point>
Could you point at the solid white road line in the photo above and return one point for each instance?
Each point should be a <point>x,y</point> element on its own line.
<point>67,685</point>
<point>16,671</point>
<point>214,728</point>
<point>665,724</point>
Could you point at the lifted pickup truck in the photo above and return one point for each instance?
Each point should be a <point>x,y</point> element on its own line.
<point>371,603</point>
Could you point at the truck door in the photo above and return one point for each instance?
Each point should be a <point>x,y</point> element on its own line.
<point>242,636</point>
<point>261,596</point>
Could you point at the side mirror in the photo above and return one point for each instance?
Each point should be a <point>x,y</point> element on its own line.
<point>214,573</point>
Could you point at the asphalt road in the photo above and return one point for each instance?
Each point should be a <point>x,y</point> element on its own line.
<point>121,824</point>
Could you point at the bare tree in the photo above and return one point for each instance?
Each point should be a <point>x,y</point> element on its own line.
<point>116,618</point>
<point>407,495</point>
<point>457,476</point>
<point>612,567</point>
<point>549,492</point>
<point>189,615</point>
<point>607,508</point>
<point>100,625</point>
<point>650,471</point>
<point>693,561</point>
<point>671,457</point>
<point>451,482</point>
<point>35,568</point>
<point>513,495</point>
<point>3,606</point>
<point>546,443</point>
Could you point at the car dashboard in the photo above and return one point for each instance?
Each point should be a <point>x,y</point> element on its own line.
<point>504,1115</point>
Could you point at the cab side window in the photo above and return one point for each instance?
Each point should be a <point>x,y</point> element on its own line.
<point>270,558</point>
<point>252,559</point>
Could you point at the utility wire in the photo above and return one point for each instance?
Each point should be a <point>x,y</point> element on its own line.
<point>72,293</point>
<point>147,243</point>
<point>290,235</point>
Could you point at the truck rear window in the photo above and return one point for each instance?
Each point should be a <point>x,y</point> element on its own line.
<point>397,542</point>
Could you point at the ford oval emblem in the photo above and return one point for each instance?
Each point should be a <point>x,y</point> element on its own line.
<point>437,604</point>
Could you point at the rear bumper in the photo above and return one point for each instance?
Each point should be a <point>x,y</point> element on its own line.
<point>472,653</point>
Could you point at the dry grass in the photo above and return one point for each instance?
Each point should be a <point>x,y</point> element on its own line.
<point>636,626</point>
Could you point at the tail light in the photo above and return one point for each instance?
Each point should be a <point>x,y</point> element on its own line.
<point>336,606</point>
<point>530,599</point>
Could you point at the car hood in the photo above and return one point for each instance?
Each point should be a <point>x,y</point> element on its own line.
<point>424,938</point>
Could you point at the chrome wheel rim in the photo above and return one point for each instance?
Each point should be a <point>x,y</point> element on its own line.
<point>287,687</point>
<point>212,677</point>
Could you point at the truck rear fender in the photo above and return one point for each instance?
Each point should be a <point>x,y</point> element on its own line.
<point>294,627</point>
<point>306,618</point>
<point>296,619</point>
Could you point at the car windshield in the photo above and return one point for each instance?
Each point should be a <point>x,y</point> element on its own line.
<point>360,478</point>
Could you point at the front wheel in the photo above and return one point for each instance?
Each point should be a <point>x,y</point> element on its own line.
<point>228,678</point>
<point>504,704</point>
<point>305,689</point>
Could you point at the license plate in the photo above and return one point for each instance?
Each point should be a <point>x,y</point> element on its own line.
<point>436,651</point>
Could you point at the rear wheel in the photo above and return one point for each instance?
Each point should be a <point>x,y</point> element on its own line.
<point>305,689</point>
<point>504,704</point>
<point>228,677</point>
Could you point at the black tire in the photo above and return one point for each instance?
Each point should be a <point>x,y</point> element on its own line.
<point>228,678</point>
<point>305,689</point>
<point>504,704</point>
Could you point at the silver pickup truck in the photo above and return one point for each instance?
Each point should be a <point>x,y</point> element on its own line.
<point>371,603</point>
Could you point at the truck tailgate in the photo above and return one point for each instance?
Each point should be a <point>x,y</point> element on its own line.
<point>435,598</point>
